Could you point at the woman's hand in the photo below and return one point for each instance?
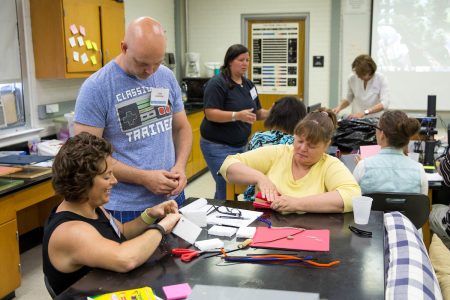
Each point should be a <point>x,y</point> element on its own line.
<point>267,188</point>
<point>170,221</point>
<point>336,110</point>
<point>246,115</point>
<point>357,115</point>
<point>162,209</point>
<point>283,203</point>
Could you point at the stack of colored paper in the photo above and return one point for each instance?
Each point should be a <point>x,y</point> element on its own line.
<point>4,170</point>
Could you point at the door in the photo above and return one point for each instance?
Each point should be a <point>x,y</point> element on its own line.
<point>113,30</point>
<point>85,55</point>
<point>277,64</point>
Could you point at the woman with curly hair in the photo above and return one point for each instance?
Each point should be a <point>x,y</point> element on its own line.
<point>79,234</point>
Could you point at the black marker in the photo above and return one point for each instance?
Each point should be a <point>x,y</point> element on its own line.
<point>232,217</point>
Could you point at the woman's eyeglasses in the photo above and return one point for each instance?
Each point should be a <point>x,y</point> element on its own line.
<point>225,211</point>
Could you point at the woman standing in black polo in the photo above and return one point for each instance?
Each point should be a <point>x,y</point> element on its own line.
<point>231,106</point>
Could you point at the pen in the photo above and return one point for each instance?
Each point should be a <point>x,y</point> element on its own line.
<point>233,226</point>
<point>232,217</point>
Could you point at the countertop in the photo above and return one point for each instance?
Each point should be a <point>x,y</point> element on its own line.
<point>26,183</point>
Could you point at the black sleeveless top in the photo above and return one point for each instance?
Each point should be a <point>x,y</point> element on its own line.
<point>60,281</point>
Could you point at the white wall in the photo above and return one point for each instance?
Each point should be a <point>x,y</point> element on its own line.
<point>162,10</point>
<point>40,92</point>
<point>215,25</point>
<point>355,38</point>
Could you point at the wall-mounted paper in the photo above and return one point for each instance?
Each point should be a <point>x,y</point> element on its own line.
<point>80,41</point>
<point>94,60</point>
<point>84,58</point>
<point>76,56</point>
<point>88,44</point>
<point>72,42</point>
<point>73,29</point>
<point>82,30</point>
<point>94,45</point>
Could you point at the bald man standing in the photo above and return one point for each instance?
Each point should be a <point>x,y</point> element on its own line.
<point>135,103</point>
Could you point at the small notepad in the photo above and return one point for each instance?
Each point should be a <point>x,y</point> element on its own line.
<point>209,244</point>
<point>222,231</point>
<point>177,291</point>
<point>246,232</point>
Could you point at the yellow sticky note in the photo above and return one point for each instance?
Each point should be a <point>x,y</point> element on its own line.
<point>94,60</point>
<point>88,44</point>
<point>94,44</point>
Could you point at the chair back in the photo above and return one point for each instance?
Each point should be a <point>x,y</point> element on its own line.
<point>416,207</point>
<point>49,288</point>
<point>233,190</point>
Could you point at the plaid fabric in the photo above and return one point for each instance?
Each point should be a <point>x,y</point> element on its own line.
<point>445,168</point>
<point>410,274</point>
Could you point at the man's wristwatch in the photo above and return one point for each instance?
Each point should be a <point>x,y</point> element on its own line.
<point>366,112</point>
<point>159,228</point>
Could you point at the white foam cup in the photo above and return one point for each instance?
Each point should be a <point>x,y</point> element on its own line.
<point>361,209</point>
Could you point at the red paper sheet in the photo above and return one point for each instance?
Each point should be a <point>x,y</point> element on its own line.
<point>308,240</point>
<point>260,202</point>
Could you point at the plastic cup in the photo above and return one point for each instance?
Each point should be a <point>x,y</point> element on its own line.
<point>361,209</point>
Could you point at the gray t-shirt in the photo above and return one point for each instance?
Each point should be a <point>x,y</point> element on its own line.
<point>140,131</point>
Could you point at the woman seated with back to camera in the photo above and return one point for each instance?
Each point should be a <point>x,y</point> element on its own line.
<point>283,117</point>
<point>80,234</point>
<point>391,170</point>
<point>301,177</point>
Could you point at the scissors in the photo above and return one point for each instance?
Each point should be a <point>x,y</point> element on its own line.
<point>189,254</point>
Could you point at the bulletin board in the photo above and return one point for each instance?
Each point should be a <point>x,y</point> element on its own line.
<point>275,63</point>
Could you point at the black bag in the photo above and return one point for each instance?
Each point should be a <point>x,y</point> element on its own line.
<point>351,134</point>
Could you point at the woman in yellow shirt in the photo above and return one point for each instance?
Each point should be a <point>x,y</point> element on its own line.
<point>299,177</point>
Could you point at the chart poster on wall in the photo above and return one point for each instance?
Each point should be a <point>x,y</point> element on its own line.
<point>274,57</point>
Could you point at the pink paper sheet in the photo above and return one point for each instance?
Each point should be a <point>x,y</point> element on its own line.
<point>370,150</point>
<point>277,238</point>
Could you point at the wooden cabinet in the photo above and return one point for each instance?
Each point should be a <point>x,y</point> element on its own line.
<point>74,38</point>
<point>9,252</point>
<point>21,212</point>
<point>196,163</point>
<point>9,249</point>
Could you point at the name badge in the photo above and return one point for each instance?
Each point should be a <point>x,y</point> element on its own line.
<point>159,97</point>
<point>114,225</point>
<point>253,93</point>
